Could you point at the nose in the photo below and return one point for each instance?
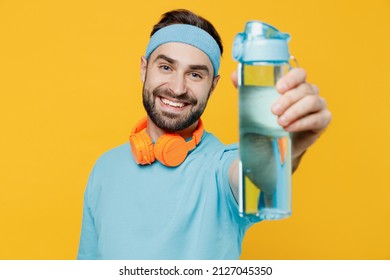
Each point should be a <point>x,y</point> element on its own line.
<point>178,85</point>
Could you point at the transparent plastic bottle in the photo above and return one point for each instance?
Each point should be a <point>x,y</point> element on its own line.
<point>264,146</point>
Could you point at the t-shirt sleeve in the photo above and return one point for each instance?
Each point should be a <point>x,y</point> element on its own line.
<point>228,156</point>
<point>88,237</point>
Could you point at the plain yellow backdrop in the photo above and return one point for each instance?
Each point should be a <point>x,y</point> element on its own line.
<point>70,90</point>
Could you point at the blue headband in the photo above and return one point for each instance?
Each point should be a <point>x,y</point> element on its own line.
<point>187,34</point>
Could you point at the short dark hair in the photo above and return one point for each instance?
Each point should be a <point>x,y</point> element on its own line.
<point>182,16</point>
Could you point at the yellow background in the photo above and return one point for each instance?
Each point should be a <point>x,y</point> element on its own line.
<point>70,90</point>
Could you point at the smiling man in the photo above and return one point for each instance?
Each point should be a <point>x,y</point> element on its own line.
<point>171,192</point>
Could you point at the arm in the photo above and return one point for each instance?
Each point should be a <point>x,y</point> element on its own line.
<point>233,178</point>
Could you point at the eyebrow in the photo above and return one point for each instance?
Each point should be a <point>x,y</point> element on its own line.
<point>194,67</point>
<point>166,58</point>
<point>200,68</point>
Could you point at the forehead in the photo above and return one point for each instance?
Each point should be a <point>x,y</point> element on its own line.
<point>182,53</point>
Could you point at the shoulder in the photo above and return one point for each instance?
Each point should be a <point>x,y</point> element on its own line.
<point>108,166</point>
<point>223,154</point>
<point>119,153</point>
<point>213,145</point>
<point>113,159</point>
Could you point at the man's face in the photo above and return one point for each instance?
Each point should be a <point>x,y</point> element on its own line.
<point>178,81</point>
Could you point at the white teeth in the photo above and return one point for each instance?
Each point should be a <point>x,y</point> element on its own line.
<point>171,103</point>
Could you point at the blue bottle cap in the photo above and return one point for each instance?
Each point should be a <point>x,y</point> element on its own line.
<point>261,42</point>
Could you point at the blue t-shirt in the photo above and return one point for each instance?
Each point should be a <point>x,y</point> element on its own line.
<point>158,212</point>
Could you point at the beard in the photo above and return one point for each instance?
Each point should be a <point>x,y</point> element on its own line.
<point>172,122</point>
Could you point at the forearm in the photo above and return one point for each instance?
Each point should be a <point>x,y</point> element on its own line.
<point>296,161</point>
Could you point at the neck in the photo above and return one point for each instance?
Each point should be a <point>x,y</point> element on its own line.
<point>155,132</point>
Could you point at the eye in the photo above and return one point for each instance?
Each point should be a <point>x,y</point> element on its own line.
<point>165,68</point>
<point>196,75</point>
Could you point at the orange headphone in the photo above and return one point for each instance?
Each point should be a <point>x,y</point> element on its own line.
<point>170,149</point>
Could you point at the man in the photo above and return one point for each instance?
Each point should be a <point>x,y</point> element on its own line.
<point>161,197</point>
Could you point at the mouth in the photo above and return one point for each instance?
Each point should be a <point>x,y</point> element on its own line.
<point>173,104</point>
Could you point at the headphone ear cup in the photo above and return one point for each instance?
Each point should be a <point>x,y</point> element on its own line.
<point>171,149</point>
<point>142,148</point>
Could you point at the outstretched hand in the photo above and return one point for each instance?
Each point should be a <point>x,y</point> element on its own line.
<point>299,109</point>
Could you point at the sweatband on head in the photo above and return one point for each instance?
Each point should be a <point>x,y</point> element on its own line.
<point>187,34</point>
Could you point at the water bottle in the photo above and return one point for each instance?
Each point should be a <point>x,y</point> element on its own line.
<point>264,146</point>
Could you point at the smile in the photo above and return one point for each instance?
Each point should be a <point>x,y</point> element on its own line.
<point>172,103</point>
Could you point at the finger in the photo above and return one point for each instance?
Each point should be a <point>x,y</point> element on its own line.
<point>315,122</point>
<point>290,97</point>
<point>292,79</point>
<point>305,106</point>
<point>234,78</point>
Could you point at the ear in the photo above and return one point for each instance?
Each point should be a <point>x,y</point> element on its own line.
<point>144,64</point>
<point>214,85</point>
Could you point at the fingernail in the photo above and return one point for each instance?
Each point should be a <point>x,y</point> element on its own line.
<point>283,119</point>
<point>282,86</point>
<point>277,108</point>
